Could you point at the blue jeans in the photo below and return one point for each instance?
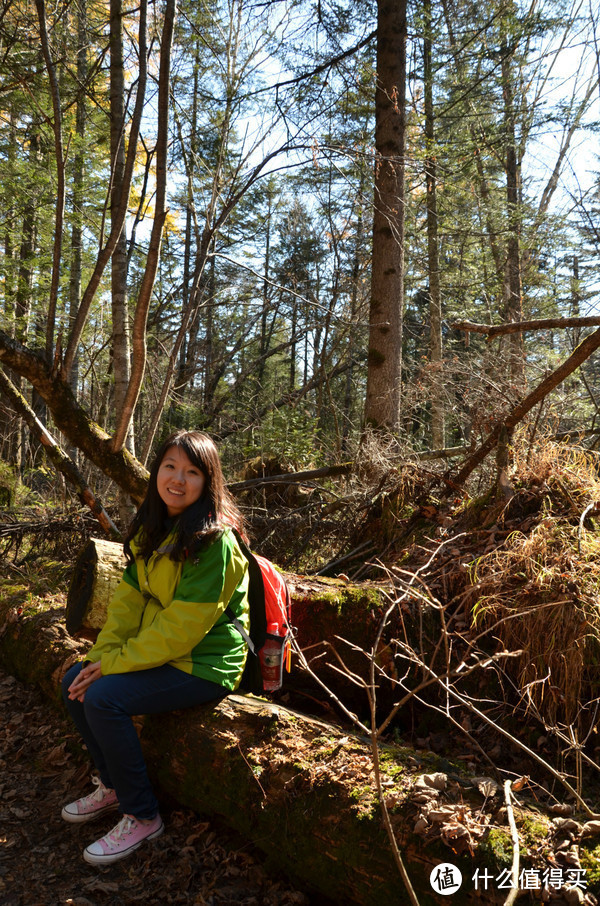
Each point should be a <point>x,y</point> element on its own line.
<point>104,722</point>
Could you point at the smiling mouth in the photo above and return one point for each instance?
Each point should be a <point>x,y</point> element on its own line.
<point>177,493</point>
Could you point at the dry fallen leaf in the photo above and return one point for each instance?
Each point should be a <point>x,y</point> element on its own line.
<point>519,783</point>
<point>561,808</point>
<point>590,829</point>
<point>487,786</point>
<point>432,781</point>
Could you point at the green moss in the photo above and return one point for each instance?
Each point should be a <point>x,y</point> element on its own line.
<point>532,831</point>
<point>589,856</point>
<point>342,597</point>
<point>497,847</point>
<point>390,765</point>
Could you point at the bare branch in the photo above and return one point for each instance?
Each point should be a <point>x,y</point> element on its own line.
<point>145,294</point>
<point>577,357</point>
<point>63,463</point>
<point>497,330</point>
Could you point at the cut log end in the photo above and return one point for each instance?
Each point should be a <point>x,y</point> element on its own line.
<point>96,574</point>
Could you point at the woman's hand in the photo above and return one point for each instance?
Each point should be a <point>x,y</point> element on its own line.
<point>84,680</point>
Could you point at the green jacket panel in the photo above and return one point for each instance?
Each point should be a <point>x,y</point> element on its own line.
<point>165,611</point>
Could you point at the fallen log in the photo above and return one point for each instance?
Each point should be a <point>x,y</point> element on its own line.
<point>301,790</point>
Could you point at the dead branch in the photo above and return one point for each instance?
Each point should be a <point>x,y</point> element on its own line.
<point>374,737</point>
<point>497,330</point>
<point>293,477</point>
<point>60,460</point>
<point>467,703</point>
<point>509,422</point>
<point>514,836</point>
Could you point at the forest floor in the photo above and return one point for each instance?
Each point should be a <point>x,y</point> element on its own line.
<point>41,860</point>
<point>515,573</point>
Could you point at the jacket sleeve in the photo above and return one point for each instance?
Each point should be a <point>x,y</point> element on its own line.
<point>202,595</point>
<point>123,618</point>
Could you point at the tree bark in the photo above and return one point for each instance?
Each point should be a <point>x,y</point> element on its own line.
<point>382,407</point>
<point>119,264</point>
<point>143,304</point>
<point>96,574</point>
<point>433,261</point>
<point>72,420</point>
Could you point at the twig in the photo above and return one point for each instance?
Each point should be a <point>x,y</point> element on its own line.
<point>521,745</point>
<point>591,508</point>
<point>304,663</point>
<point>514,836</point>
<point>251,771</point>
<point>374,735</point>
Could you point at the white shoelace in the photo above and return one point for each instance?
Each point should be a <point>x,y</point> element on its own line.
<point>98,794</point>
<point>118,833</point>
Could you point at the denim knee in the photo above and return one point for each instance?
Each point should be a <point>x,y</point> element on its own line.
<point>100,697</point>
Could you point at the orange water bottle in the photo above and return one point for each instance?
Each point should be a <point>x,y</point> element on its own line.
<point>271,659</point>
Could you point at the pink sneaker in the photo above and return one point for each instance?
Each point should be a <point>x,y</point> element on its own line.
<point>99,802</point>
<point>127,836</point>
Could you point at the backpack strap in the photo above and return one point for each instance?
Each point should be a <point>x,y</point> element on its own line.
<point>256,601</point>
<point>233,619</point>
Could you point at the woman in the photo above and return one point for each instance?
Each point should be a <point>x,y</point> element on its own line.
<point>166,643</point>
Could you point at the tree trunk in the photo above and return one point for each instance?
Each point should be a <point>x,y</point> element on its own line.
<point>382,408</point>
<point>124,427</point>
<point>301,790</point>
<point>120,315</point>
<point>60,180</point>
<point>75,275</point>
<point>433,262</point>
<point>352,340</point>
<point>513,299</point>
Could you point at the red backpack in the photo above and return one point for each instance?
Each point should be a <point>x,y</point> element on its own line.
<point>269,640</point>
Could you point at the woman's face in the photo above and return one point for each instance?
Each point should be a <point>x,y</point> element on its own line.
<point>179,482</point>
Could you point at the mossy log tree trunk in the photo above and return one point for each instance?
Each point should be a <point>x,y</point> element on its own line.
<point>300,789</point>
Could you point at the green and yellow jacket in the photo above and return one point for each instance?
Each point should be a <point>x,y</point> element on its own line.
<point>170,612</point>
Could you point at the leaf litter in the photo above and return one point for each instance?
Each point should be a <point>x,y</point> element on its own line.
<point>41,768</point>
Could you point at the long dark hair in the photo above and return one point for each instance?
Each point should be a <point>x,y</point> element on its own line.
<point>201,522</point>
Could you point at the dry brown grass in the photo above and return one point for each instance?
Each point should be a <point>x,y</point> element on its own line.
<point>539,591</point>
